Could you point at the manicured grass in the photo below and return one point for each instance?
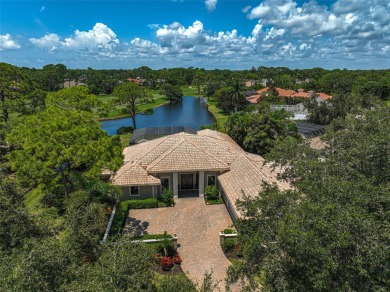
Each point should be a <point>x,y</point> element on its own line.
<point>191,90</point>
<point>220,117</point>
<point>118,112</point>
<point>125,138</point>
<point>156,102</point>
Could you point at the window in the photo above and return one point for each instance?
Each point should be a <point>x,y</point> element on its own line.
<point>211,180</point>
<point>164,183</point>
<point>134,191</point>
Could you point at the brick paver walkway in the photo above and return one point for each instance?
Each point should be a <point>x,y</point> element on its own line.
<point>197,226</point>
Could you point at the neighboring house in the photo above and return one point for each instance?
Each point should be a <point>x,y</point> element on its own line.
<point>136,80</point>
<point>288,93</point>
<point>186,163</point>
<point>72,83</point>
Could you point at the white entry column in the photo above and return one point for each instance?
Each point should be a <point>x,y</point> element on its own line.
<point>175,185</point>
<point>201,184</point>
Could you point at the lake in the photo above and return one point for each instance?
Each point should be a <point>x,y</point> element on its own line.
<point>192,112</point>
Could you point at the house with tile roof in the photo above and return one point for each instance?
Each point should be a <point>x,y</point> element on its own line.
<point>287,93</point>
<point>187,163</point>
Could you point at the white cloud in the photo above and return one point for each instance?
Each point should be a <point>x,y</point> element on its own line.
<point>100,37</point>
<point>246,9</point>
<point>211,5</point>
<point>7,43</point>
<point>285,33</point>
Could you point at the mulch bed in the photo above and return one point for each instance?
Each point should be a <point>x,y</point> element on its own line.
<point>176,270</point>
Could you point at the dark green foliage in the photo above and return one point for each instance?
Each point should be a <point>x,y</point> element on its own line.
<point>55,142</point>
<point>331,232</point>
<point>258,131</point>
<point>231,99</point>
<point>166,197</point>
<point>141,204</point>
<point>43,265</point>
<point>87,222</point>
<point>179,283</point>
<point>123,266</point>
<point>228,245</point>
<point>228,231</point>
<point>74,98</point>
<point>172,93</point>
<point>16,224</point>
<point>152,236</point>
<point>129,94</point>
<point>12,98</point>
<point>211,192</point>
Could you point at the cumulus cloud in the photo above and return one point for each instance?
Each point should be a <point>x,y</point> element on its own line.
<point>7,43</point>
<point>100,37</point>
<point>211,5</point>
<point>284,31</point>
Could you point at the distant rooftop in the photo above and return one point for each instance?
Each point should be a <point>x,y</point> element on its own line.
<point>146,134</point>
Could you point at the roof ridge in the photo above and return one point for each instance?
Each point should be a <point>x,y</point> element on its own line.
<point>168,151</point>
<point>176,145</point>
<point>209,153</point>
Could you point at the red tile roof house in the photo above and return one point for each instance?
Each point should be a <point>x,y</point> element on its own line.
<point>186,163</point>
<point>287,93</point>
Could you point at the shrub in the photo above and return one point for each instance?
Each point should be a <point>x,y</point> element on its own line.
<point>211,192</point>
<point>177,259</point>
<point>142,204</point>
<point>124,130</point>
<point>167,197</point>
<point>152,236</point>
<point>238,249</point>
<point>166,263</point>
<point>228,231</point>
<point>228,245</point>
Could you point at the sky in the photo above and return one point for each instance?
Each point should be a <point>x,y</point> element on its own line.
<point>221,34</point>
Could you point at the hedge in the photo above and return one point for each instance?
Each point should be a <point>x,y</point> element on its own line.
<point>142,204</point>
<point>152,236</point>
<point>123,208</point>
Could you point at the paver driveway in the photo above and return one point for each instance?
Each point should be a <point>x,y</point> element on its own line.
<point>197,226</point>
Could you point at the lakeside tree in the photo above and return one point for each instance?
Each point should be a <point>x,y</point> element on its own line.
<point>172,93</point>
<point>331,232</point>
<point>52,143</point>
<point>232,98</point>
<point>129,94</point>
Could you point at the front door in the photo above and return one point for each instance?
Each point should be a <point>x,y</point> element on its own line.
<point>187,181</point>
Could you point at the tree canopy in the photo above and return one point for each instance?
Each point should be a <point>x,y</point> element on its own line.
<point>56,141</point>
<point>331,232</point>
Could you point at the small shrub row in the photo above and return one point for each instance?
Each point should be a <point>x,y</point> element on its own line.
<point>228,231</point>
<point>141,204</point>
<point>153,236</point>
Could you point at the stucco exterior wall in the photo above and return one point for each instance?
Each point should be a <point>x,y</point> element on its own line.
<point>144,193</point>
